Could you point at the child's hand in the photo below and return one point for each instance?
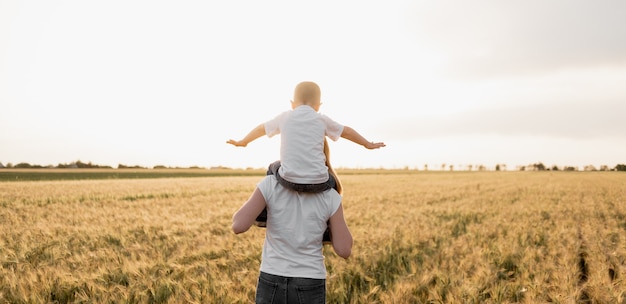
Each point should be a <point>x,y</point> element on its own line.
<point>372,145</point>
<point>236,143</point>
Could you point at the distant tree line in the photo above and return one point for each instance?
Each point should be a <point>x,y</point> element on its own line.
<point>499,167</point>
<point>532,167</point>
<point>81,165</point>
<point>76,164</point>
<point>542,167</point>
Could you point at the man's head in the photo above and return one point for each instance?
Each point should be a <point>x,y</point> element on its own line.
<point>307,93</point>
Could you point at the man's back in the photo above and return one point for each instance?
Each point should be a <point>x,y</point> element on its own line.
<point>295,225</point>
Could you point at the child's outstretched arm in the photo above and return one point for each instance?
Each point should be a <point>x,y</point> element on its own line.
<point>354,136</point>
<point>254,134</point>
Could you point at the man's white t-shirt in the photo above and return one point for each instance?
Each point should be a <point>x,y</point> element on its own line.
<point>302,143</point>
<point>296,222</point>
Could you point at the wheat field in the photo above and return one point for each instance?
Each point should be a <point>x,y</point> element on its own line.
<point>420,237</point>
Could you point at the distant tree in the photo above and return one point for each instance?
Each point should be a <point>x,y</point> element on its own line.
<point>604,168</point>
<point>121,166</point>
<point>220,168</point>
<point>555,168</point>
<point>590,168</point>
<point>64,166</point>
<point>497,167</point>
<point>23,166</point>
<point>89,165</point>
<point>570,168</point>
<point>620,167</point>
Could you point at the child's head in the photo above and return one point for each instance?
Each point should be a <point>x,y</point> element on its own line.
<point>307,93</point>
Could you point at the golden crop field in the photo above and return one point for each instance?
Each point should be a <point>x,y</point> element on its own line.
<point>420,237</point>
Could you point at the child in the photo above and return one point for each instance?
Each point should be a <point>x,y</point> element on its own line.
<point>303,131</point>
<point>302,166</point>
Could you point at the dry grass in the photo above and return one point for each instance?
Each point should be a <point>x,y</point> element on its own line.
<point>490,237</point>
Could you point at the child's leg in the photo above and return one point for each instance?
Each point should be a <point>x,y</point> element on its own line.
<point>272,169</point>
<point>261,220</point>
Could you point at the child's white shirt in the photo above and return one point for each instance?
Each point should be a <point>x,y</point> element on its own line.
<point>302,143</point>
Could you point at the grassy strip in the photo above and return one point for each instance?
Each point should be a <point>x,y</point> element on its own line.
<point>9,175</point>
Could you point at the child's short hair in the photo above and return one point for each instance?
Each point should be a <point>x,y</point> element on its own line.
<point>307,92</point>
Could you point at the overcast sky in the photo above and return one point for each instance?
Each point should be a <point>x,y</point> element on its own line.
<point>456,82</point>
